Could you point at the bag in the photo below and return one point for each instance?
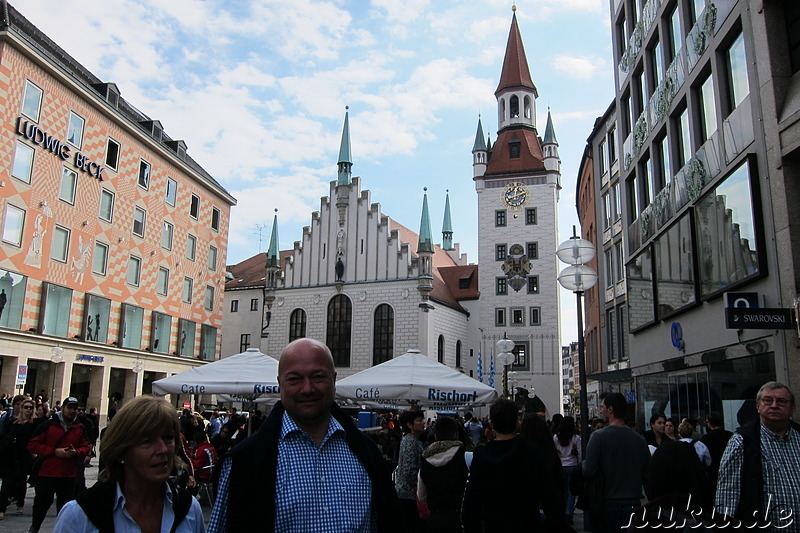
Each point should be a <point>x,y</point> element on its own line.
<point>34,476</point>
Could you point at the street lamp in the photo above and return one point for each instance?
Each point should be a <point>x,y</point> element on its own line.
<point>578,277</point>
<point>56,358</point>
<point>505,346</point>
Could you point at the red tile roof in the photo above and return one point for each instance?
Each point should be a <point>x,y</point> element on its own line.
<point>530,153</point>
<point>515,65</point>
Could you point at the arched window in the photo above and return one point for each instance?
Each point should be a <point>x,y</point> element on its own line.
<point>503,109</point>
<point>514,107</point>
<point>528,107</point>
<point>458,354</point>
<point>297,324</point>
<point>441,349</point>
<point>383,334</point>
<point>340,317</point>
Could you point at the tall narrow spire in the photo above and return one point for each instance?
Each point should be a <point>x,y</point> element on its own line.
<point>447,224</point>
<point>549,131</point>
<point>273,256</point>
<point>425,234</point>
<point>516,73</point>
<point>345,157</point>
<point>480,143</point>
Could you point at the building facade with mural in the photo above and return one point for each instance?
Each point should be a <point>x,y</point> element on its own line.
<point>113,238</point>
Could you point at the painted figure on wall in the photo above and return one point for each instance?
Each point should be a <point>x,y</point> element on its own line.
<point>34,257</point>
<point>81,262</point>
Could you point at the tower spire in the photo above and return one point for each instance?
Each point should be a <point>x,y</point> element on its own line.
<point>345,157</point>
<point>425,234</point>
<point>425,252</point>
<point>549,131</point>
<point>447,224</point>
<point>515,73</point>
<point>273,257</point>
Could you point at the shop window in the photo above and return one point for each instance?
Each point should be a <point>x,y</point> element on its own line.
<point>106,205</point>
<point>54,319</point>
<point>59,247</point>
<point>639,277</point>
<point>134,270</point>
<point>131,327</point>
<point>139,217</point>
<point>112,153</point>
<point>339,329</point>
<point>162,281</point>
<point>12,298</point>
<point>161,330</point>
<point>725,233</point>
<point>23,162</point>
<point>186,337</point>
<point>144,174</point>
<point>100,258</point>
<point>172,192</point>
<point>297,324</point>
<point>383,334</point>
<point>675,280</point>
<point>32,101</point>
<point>13,224</point>
<point>208,342</point>
<point>75,130</point>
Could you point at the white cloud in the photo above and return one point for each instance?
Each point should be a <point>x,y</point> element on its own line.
<point>580,67</point>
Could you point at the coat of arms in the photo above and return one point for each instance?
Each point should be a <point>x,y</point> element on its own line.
<point>517,267</point>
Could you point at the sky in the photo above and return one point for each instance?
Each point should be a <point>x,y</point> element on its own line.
<point>258,89</point>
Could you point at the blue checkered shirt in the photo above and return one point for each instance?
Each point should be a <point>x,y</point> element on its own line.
<point>321,489</point>
<point>780,461</point>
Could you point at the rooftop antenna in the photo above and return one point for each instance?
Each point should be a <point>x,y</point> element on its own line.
<point>260,228</point>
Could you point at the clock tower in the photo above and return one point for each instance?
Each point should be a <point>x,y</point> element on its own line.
<point>518,180</point>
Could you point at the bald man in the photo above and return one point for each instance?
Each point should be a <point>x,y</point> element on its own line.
<point>308,468</point>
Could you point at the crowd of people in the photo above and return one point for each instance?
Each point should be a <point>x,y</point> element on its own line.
<point>307,467</point>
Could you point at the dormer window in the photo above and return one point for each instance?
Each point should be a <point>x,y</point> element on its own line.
<point>513,149</point>
<point>514,107</point>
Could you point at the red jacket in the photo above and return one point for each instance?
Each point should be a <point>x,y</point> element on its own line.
<point>51,435</point>
<point>205,457</point>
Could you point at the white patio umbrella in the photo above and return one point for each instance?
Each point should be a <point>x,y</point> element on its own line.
<point>414,379</point>
<point>242,377</point>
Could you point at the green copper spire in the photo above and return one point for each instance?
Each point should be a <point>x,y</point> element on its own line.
<point>273,256</point>
<point>549,131</point>
<point>480,144</point>
<point>447,225</point>
<point>345,158</point>
<point>425,235</point>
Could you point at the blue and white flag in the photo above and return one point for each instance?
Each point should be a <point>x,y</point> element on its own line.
<point>480,367</point>
<point>491,372</point>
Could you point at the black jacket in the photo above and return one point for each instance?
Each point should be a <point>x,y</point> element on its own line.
<point>254,469</point>
<point>98,505</point>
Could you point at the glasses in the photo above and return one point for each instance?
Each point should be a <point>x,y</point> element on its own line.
<point>27,407</point>
<point>780,402</point>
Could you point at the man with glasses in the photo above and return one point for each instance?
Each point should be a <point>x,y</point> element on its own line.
<point>759,476</point>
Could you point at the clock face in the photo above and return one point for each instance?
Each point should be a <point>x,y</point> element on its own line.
<point>515,195</point>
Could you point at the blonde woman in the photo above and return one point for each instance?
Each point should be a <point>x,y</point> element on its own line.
<point>133,493</point>
<point>17,464</point>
